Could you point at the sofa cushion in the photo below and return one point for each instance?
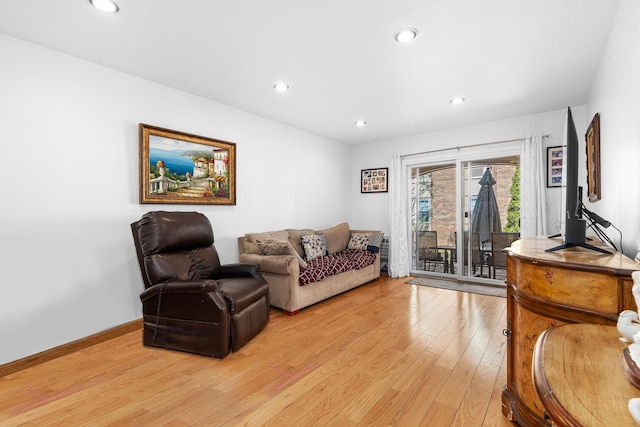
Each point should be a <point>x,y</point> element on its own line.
<point>337,237</point>
<point>279,247</point>
<point>360,259</point>
<point>250,245</point>
<point>314,246</point>
<point>322,267</point>
<point>295,238</point>
<point>359,241</point>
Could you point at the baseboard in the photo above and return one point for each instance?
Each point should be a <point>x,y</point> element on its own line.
<point>63,350</point>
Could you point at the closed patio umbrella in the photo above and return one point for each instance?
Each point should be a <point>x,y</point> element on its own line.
<point>486,216</point>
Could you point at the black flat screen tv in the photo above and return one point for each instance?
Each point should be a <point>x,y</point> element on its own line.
<point>575,226</point>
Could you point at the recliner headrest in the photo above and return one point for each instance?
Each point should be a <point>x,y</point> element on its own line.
<point>162,231</point>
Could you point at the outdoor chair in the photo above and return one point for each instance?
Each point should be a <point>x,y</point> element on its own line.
<point>428,250</point>
<point>500,241</point>
<point>477,254</point>
<point>191,302</point>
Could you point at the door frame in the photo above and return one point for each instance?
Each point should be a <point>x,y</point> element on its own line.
<point>457,156</point>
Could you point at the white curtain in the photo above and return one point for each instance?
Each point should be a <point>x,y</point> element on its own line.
<point>398,242</point>
<point>533,212</point>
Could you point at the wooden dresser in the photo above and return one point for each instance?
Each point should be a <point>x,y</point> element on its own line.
<point>546,289</point>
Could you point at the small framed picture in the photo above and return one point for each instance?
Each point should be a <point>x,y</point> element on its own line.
<point>555,159</point>
<point>374,180</point>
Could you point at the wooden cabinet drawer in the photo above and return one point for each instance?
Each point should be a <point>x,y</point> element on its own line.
<point>593,290</point>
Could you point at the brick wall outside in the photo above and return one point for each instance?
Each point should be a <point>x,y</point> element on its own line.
<point>443,199</point>
<point>443,205</point>
<point>503,174</point>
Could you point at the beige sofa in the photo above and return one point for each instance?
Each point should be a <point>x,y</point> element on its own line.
<point>281,267</point>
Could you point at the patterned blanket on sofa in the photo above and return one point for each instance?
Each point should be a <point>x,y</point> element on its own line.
<point>322,267</point>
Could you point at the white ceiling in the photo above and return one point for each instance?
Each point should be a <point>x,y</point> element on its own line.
<point>506,57</point>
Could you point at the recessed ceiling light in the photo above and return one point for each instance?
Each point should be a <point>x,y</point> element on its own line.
<point>456,101</point>
<point>360,123</point>
<point>281,87</point>
<point>406,35</point>
<point>105,5</point>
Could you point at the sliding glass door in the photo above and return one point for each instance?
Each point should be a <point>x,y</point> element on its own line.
<point>433,217</point>
<point>462,213</point>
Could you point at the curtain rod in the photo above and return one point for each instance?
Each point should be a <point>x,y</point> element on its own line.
<point>467,146</point>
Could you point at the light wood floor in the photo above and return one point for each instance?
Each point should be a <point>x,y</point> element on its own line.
<point>386,353</point>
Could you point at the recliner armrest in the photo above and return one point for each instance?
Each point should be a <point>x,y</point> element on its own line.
<point>197,300</point>
<point>179,287</point>
<point>240,270</point>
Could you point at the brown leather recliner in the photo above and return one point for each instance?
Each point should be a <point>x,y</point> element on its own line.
<point>191,302</point>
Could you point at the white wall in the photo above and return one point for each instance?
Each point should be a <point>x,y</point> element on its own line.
<point>373,209</point>
<point>615,95</point>
<point>70,189</point>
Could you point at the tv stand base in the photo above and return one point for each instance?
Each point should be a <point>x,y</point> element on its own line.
<point>573,245</point>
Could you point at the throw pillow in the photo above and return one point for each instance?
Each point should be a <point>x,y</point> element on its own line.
<point>375,241</point>
<point>294,238</point>
<point>337,237</point>
<point>359,241</point>
<point>274,247</point>
<point>250,245</point>
<point>279,247</point>
<point>315,245</point>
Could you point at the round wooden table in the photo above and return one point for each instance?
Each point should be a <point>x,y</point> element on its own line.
<point>579,375</point>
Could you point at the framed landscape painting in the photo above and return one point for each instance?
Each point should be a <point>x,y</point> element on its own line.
<point>181,168</point>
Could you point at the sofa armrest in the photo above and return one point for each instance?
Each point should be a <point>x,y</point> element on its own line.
<point>279,264</point>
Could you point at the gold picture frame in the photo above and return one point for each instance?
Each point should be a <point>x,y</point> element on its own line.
<point>592,137</point>
<point>181,168</point>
